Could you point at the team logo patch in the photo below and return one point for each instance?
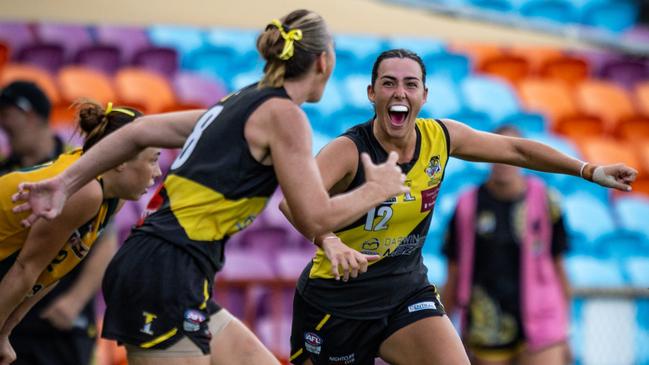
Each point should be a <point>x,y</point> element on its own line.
<point>342,360</point>
<point>193,320</point>
<point>312,343</point>
<point>422,306</point>
<point>433,170</point>
<point>370,247</point>
<point>428,198</point>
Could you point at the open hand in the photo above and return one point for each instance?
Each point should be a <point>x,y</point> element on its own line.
<point>45,199</point>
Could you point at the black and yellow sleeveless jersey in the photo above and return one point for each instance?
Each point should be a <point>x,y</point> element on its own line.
<point>215,187</point>
<point>395,230</point>
<point>13,234</point>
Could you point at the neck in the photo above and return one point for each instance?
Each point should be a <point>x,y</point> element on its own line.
<point>299,89</point>
<point>41,150</point>
<point>404,146</point>
<point>109,184</point>
<point>507,189</point>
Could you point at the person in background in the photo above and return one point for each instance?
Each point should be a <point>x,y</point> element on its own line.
<point>506,278</point>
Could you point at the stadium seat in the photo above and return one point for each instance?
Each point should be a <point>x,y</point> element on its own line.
<point>641,93</point>
<point>536,56</point>
<point>77,82</point>
<point>625,71</point>
<point>289,264</point>
<point>604,151</point>
<point>345,118</point>
<point>637,270</point>
<point>15,71</point>
<point>436,266</point>
<point>621,245</point>
<point>420,45</point>
<point>104,58</point>
<point>72,37</point>
<point>569,68</point>
<point>611,15</point>
<point>242,80</point>
<point>589,272</point>
<point>632,212</point>
<point>218,62</point>
<point>509,67</point>
<point>581,210</point>
<point>241,41</point>
<point>144,90</point>
<point>195,90</point>
<point>605,99</point>
<point>48,56</point>
<point>184,39</point>
<point>163,60</point>
<point>115,35</point>
<point>478,53</point>
<point>452,65</point>
<point>16,35</point>
<point>559,11</point>
<point>443,97</point>
<point>494,5</point>
<point>355,88</point>
<point>356,53</point>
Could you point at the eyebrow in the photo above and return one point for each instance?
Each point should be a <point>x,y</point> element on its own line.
<point>408,78</point>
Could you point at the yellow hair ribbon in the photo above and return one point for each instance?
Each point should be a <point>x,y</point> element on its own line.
<point>109,108</point>
<point>289,37</point>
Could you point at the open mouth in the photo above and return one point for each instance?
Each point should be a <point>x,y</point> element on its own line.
<point>398,115</point>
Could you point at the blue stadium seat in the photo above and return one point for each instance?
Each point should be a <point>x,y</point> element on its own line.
<point>612,15</point>
<point>499,101</point>
<point>347,117</point>
<point>587,219</point>
<point>452,65</point>
<point>242,41</point>
<point>621,244</point>
<point>421,46</point>
<point>585,272</point>
<point>356,53</point>
<point>637,271</point>
<point>183,39</point>
<point>560,11</point>
<point>443,97</point>
<point>215,61</point>
<point>355,88</point>
<point>496,5</point>
<point>642,346</point>
<point>246,78</point>
<point>436,269</point>
<point>633,213</point>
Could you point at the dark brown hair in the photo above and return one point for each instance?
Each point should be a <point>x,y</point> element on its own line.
<point>398,53</point>
<point>95,124</point>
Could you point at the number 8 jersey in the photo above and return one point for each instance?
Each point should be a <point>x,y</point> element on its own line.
<point>215,187</point>
<point>395,230</point>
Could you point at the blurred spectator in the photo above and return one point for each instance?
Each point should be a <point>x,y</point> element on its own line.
<point>60,329</point>
<point>506,281</point>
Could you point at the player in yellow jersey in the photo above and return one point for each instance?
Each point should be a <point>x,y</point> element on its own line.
<point>33,259</point>
<point>384,305</point>
<point>158,287</point>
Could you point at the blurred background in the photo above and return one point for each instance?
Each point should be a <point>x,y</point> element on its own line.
<point>570,73</point>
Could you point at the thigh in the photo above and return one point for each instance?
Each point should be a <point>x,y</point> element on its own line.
<point>554,355</point>
<point>431,340</point>
<point>320,338</point>
<point>235,344</point>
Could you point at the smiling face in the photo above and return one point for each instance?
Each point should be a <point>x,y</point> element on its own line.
<point>398,94</point>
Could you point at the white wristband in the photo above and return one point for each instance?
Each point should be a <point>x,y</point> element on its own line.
<point>581,170</point>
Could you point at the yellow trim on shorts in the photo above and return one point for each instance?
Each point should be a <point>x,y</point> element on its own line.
<point>498,354</point>
<point>206,295</point>
<point>322,323</point>
<point>295,355</point>
<point>157,340</point>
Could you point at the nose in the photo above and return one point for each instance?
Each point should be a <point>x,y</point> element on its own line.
<point>157,172</point>
<point>400,92</point>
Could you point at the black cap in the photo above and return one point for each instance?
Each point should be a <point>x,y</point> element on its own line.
<point>27,97</point>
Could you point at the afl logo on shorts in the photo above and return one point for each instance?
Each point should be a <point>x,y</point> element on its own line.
<point>193,320</point>
<point>312,343</point>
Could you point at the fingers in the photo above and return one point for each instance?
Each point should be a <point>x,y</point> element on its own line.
<point>21,195</point>
<point>366,160</point>
<point>393,157</point>
<point>29,221</point>
<point>334,268</point>
<point>345,266</point>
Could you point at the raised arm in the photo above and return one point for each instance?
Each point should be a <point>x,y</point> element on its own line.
<point>46,198</point>
<point>472,145</point>
<point>313,211</point>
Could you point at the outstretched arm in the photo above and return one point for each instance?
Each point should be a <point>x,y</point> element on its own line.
<point>46,198</point>
<point>469,144</point>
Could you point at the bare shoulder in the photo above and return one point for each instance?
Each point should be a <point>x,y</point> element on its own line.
<point>88,198</point>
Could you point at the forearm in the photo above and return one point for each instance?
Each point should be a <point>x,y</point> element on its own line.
<point>14,287</point>
<point>19,313</point>
<point>537,156</point>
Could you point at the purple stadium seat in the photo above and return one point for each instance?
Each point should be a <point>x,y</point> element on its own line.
<point>72,37</point>
<point>247,265</point>
<point>625,71</point>
<point>116,36</point>
<point>275,333</point>
<point>291,263</point>
<point>125,219</point>
<point>163,60</point>
<point>16,35</point>
<point>196,89</point>
<point>266,240</point>
<point>104,58</point>
<point>48,56</point>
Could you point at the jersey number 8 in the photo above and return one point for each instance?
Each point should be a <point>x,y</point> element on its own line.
<point>202,124</point>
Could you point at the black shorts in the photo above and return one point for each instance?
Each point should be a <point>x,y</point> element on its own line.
<point>63,349</point>
<point>156,294</point>
<point>327,339</point>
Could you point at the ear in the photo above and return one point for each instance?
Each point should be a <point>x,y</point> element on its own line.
<point>370,93</point>
<point>120,167</point>
<point>425,93</point>
<point>321,63</point>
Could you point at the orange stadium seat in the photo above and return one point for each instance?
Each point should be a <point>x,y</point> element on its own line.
<point>642,96</point>
<point>144,89</point>
<point>570,69</point>
<point>77,82</point>
<point>536,56</point>
<point>555,99</point>
<point>510,67</point>
<point>604,151</point>
<point>477,52</point>
<point>605,99</point>
<point>14,71</point>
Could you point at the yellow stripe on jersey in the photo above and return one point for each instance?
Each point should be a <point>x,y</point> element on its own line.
<point>12,233</point>
<point>205,214</point>
<point>389,229</point>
